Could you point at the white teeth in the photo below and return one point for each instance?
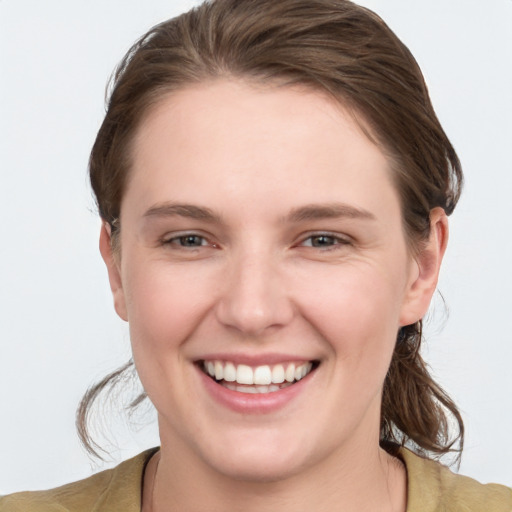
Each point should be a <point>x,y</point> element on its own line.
<point>278,374</point>
<point>255,389</point>
<point>262,375</point>
<point>229,372</point>
<point>244,374</point>
<point>262,378</point>
<point>290,373</point>
<point>249,389</point>
<point>219,370</point>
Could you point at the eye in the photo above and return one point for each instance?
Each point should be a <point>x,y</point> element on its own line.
<point>324,240</point>
<point>188,240</point>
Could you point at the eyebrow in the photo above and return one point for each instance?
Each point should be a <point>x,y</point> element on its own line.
<point>189,211</point>
<point>328,211</point>
<point>304,213</point>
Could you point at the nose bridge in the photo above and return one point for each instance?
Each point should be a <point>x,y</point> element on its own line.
<point>254,296</point>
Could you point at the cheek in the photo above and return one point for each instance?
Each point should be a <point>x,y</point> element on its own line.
<point>165,305</point>
<point>356,298</point>
<point>357,313</point>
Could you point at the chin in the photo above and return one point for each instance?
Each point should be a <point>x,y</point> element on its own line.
<point>259,469</point>
<point>260,458</point>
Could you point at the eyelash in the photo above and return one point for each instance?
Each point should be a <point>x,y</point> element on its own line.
<point>180,239</point>
<point>334,241</point>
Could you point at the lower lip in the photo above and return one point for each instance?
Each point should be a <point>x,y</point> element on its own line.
<point>257,403</point>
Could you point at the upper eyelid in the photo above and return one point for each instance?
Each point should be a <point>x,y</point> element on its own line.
<point>330,234</point>
<point>170,237</point>
<point>179,234</point>
<point>344,238</point>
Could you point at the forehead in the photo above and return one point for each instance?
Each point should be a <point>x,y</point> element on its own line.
<point>250,102</point>
<point>284,144</point>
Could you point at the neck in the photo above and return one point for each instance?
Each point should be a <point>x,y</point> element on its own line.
<point>353,480</point>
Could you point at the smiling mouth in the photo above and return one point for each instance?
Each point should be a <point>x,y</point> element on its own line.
<point>258,379</point>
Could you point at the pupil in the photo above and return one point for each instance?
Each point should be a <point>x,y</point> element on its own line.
<point>322,240</point>
<point>191,240</point>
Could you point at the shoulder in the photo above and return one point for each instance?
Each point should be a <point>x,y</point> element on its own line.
<point>432,487</point>
<point>77,496</point>
<point>119,488</point>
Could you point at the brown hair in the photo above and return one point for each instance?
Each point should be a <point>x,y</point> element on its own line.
<point>332,46</point>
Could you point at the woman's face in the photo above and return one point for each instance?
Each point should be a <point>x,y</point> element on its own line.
<point>261,239</point>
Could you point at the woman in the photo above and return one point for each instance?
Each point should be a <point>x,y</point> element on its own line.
<point>274,187</point>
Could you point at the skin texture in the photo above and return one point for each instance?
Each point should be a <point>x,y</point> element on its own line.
<point>302,256</point>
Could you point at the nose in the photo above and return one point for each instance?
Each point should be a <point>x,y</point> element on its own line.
<point>254,297</point>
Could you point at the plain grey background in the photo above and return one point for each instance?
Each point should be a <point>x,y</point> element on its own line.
<point>58,329</point>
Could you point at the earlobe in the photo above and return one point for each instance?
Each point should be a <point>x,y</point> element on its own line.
<point>425,274</point>
<point>114,274</point>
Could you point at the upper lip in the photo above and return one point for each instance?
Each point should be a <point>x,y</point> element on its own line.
<point>256,359</point>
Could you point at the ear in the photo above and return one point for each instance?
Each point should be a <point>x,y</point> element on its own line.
<point>425,270</point>
<point>114,275</point>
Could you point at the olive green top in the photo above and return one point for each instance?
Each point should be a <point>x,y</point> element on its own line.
<point>431,487</point>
